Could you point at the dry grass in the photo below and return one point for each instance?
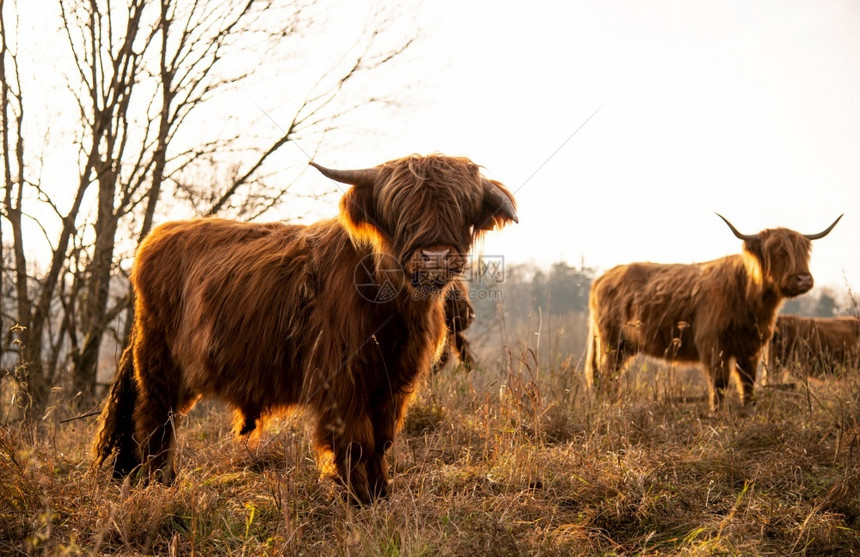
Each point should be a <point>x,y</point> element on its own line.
<point>514,460</point>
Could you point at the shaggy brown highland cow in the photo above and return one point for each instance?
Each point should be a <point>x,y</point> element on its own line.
<point>459,315</point>
<point>815,345</point>
<point>718,313</point>
<point>341,317</point>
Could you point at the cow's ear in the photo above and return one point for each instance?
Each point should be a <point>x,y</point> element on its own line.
<point>358,215</point>
<point>498,207</point>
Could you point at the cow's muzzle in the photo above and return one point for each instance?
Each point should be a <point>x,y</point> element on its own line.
<point>433,267</point>
<point>798,284</point>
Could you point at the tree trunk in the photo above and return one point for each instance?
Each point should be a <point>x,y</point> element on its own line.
<point>95,317</point>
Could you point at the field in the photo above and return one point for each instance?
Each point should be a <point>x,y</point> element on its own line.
<point>510,460</point>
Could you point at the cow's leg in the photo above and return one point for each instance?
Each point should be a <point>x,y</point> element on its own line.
<point>464,350</point>
<point>610,361</point>
<point>245,419</point>
<point>746,368</point>
<point>386,417</point>
<point>719,372</point>
<point>349,440</point>
<point>158,400</point>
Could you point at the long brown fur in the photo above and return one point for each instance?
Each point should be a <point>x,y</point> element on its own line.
<point>718,313</point>
<point>816,345</point>
<point>268,316</point>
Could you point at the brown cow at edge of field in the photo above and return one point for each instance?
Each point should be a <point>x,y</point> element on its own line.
<point>341,317</point>
<point>718,313</point>
<point>818,345</point>
<point>459,315</point>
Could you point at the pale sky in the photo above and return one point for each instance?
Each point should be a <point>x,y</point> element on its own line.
<point>750,109</point>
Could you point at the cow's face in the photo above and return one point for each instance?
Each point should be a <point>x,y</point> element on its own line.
<point>784,258</point>
<point>426,212</point>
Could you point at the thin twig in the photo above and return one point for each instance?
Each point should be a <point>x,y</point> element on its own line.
<point>82,416</point>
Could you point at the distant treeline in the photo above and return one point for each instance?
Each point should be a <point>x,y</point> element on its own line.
<point>526,287</point>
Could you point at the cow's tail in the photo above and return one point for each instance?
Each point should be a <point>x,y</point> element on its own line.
<point>116,431</point>
<point>592,354</point>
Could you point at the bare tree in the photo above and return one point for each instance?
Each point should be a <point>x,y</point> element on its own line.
<point>144,74</point>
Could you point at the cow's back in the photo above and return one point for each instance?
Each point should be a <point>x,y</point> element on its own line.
<point>211,291</point>
<point>178,250</point>
<point>675,310</point>
<point>838,340</point>
<point>641,301</point>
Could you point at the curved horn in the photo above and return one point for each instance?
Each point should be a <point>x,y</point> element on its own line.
<point>826,231</point>
<point>500,201</point>
<point>363,177</point>
<point>737,234</point>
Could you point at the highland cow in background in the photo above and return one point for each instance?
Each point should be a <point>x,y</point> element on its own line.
<point>815,345</point>
<point>459,315</point>
<point>719,313</point>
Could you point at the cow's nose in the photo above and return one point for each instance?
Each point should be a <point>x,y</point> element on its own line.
<point>443,258</point>
<point>804,280</point>
<point>435,258</point>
